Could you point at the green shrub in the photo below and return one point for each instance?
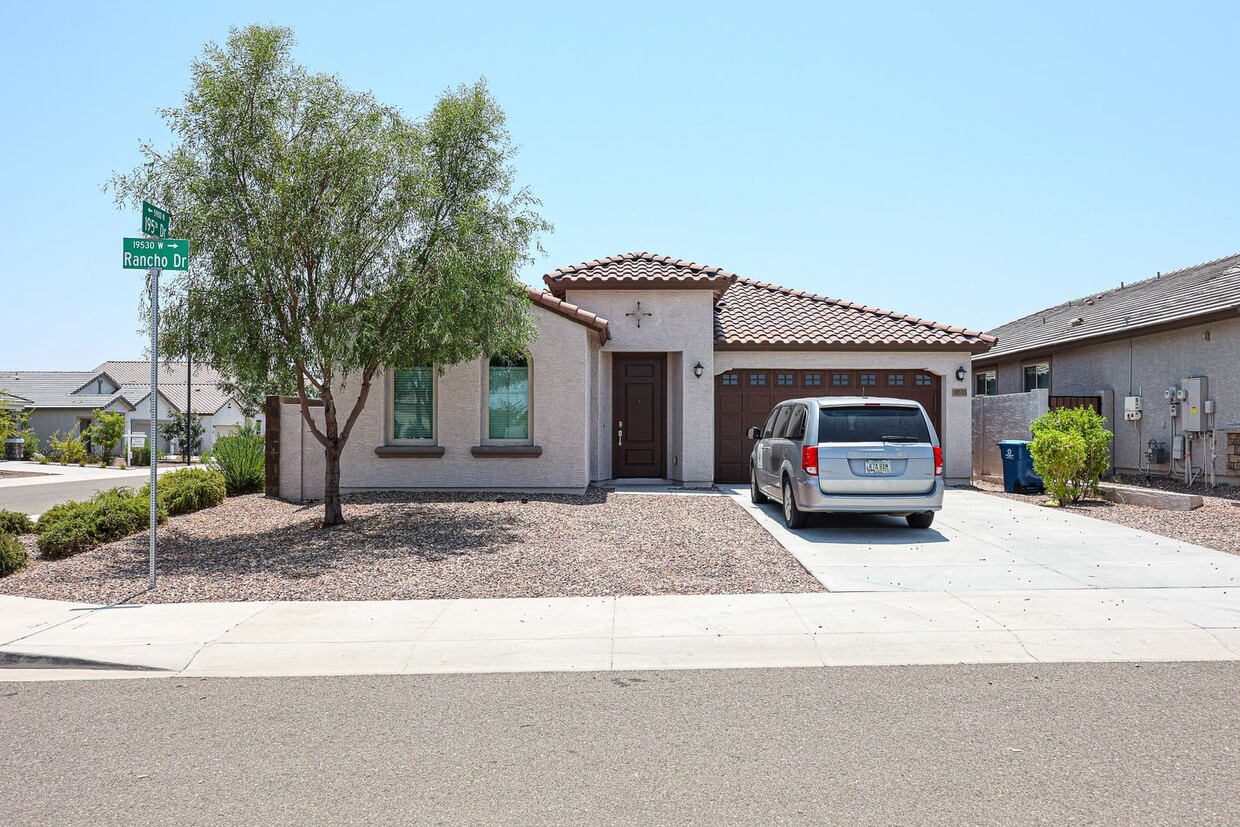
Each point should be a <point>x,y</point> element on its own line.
<point>142,456</point>
<point>14,522</point>
<point>66,449</point>
<point>1071,451</point>
<point>106,430</point>
<point>240,458</point>
<point>39,458</point>
<point>13,554</point>
<point>188,490</point>
<point>109,515</point>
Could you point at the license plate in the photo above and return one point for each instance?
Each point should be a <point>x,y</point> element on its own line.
<point>877,466</point>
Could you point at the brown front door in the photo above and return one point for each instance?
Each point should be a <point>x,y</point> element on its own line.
<point>639,416</point>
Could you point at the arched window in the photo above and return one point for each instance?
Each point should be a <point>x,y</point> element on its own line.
<point>508,399</point>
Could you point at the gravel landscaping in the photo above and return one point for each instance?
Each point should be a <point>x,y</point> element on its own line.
<point>402,546</point>
<point>1215,525</point>
<point>6,474</point>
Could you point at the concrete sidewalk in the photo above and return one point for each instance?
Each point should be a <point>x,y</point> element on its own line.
<point>624,633</point>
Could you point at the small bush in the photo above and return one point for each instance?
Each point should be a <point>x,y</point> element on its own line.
<point>39,458</point>
<point>240,458</point>
<point>71,527</point>
<point>142,456</point>
<point>1071,451</point>
<point>14,522</point>
<point>13,554</point>
<point>189,490</point>
<point>66,449</point>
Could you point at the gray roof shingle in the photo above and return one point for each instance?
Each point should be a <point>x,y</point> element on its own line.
<point>1164,300</point>
<point>54,388</point>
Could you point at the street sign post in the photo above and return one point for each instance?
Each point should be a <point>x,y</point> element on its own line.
<point>154,220</point>
<point>155,253</point>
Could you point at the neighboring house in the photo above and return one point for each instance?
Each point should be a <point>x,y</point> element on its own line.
<point>1137,340</point>
<point>644,367</point>
<point>62,400</point>
<point>65,400</point>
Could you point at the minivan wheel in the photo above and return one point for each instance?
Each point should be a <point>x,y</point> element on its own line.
<point>922,520</point>
<point>793,516</point>
<point>755,494</point>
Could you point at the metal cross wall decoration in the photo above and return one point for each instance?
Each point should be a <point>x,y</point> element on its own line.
<point>638,313</point>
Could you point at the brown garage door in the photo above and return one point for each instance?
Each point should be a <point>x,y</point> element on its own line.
<point>744,398</point>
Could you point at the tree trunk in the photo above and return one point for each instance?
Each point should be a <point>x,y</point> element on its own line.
<point>333,513</point>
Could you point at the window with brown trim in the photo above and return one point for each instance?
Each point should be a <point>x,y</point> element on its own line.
<point>785,380</point>
<point>895,380</point>
<point>729,379</point>
<point>923,380</point>
<point>840,380</point>
<point>757,379</point>
<point>812,380</point>
<point>869,380</point>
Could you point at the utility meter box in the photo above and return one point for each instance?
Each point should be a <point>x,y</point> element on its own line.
<point>1132,408</point>
<point>1193,416</point>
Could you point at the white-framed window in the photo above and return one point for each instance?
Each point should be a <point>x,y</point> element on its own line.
<point>508,400</point>
<point>411,406</point>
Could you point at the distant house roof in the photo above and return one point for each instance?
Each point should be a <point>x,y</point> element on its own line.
<point>1190,296</point>
<point>756,314</point>
<point>545,299</point>
<point>56,389</point>
<point>206,399</point>
<point>645,270</point>
<point>139,373</point>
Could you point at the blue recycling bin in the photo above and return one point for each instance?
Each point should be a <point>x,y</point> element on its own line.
<point>1018,473</point>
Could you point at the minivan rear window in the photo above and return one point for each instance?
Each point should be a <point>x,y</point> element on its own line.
<point>872,423</point>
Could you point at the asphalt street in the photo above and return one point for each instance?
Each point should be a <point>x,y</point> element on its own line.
<point>1107,744</point>
<point>35,499</point>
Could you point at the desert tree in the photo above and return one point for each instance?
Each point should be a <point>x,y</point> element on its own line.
<point>332,237</point>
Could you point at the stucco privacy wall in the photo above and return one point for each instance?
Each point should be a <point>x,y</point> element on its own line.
<point>995,418</point>
<point>682,324</point>
<point>957,414</point>
<point>560,359</point>
<point>1146,366</point>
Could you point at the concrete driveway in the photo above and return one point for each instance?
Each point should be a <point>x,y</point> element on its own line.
<point>984,543</point>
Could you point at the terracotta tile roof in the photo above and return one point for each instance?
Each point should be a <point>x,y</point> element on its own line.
<point>1168,300</point>
<point>644,270</point>
<point>544,298</point>
<point>756,314</point>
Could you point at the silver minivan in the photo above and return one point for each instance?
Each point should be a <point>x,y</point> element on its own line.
<point>848,454</point>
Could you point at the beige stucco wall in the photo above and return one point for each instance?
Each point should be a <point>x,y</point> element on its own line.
<point>681,324</point>
<point>957,426</point>
<point>996,418</point>
<point>560,364</point>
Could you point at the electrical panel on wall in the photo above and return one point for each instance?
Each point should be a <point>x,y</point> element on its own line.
<point>1196,390</point>
<point>1132,408</point>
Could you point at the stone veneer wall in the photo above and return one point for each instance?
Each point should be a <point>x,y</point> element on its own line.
<point>1233,449</point>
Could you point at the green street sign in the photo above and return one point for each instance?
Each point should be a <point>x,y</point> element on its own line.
<point>164,254</point>
<point>154,220</point>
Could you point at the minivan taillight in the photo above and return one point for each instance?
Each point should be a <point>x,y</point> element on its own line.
<point>809,459</point>
<point>938,461</point>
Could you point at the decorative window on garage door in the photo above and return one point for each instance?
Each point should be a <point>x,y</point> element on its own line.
<point>812,380</point>
<point>869,380</point>
<point>895,380</point>
<point>729,379</point>
<point>785,380</point>
<point>840,380</point>
<point>923,380</point>
<point>757,378</point>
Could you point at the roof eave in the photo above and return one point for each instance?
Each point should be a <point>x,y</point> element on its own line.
<point>1164,326</point>
<point>858,347</point>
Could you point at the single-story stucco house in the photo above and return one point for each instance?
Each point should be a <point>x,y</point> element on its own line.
<point>65,400</point>
<point>645,367</point>
<point>1135,341</point>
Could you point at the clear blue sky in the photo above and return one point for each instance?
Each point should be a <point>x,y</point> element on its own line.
<point>968,163</point>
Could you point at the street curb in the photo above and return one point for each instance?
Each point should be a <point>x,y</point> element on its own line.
<point>24,660</point>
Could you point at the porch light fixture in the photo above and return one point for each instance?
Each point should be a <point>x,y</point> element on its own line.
<point>697,370</point>
<point>961,373</point>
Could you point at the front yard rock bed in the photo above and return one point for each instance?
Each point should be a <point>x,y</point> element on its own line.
<point>433,545</point>
<point>1215,525</point>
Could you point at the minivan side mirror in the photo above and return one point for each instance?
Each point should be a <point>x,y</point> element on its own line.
<point>754,433</point>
